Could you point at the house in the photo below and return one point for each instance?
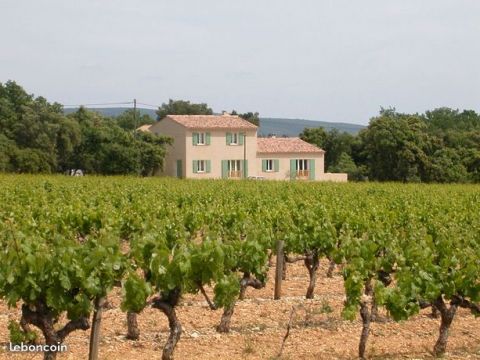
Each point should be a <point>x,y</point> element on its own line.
<point>227,146</point>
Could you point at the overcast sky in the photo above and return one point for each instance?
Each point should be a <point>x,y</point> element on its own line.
<point>337,60</point>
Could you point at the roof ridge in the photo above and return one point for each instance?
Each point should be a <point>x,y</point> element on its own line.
<point>212,121</point>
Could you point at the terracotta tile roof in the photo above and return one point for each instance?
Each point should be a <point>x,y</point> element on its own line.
<point>212,121</point>
<point>285,145</point>
<point>144,127</point>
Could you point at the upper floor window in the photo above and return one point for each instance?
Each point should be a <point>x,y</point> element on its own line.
<point>202,138</point>
<point>235,138</point>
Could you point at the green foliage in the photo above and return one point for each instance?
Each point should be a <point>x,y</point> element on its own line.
<point>136,291</point>
<point>130,120</point>
<point>442,146</point>
<point>36,137</point>
<point>18,336</point>
<point>61,239</point>
<point>253,117</point>
<point>226,291</point>
<point>346,164</point>
<point>182,107</point>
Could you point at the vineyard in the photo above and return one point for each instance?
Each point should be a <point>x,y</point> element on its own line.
<point>76,250</point>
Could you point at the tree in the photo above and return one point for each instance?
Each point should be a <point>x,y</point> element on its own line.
<point>396,147</point>
<point>315,136</point>
<point>254,118</point>
<point>337,143</point>
<point>182,107</point>
<point>40,136</point>
<point>333,142</point>
<point>106,148</point>
<point>130,120</point>
<point>346,164</point>
<point>446,166</point>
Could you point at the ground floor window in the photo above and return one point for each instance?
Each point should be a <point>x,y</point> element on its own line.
<point>302,168</point>
<point>201,166</point>
<point>234,168</point>
<point>268,165</point>
<point>302,164</point>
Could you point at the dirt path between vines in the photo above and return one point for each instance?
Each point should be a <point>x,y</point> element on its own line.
<point>259,325</point>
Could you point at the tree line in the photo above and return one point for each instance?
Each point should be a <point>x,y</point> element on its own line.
<point>442,145</point>
<point>37,137</point>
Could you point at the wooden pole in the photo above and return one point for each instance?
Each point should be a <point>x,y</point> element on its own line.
<point>279,270</point>
<point>95,331</point>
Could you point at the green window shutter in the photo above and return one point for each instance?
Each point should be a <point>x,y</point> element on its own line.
<point>195,166</point>
<point>311,165</point>
<point>240,138</point>
<point>195,139</point>
<point>245,168</point>
<point>276,165</point>
<point>264,165</point>
<point>207,138</point>
<point>229,138</point>
<point>209,166</point>
<point>224,169</point>
<point>179,168</point>
<point>293,169</point>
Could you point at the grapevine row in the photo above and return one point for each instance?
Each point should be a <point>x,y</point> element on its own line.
<point>67,242</point>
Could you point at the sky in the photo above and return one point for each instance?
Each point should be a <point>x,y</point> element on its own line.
<point>336,60</point>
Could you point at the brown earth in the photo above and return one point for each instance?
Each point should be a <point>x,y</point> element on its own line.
<point>259,324</point>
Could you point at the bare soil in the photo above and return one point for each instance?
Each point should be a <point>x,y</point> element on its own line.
<point>259,324</point>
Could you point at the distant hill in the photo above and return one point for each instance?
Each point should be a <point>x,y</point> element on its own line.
<point>277,126</point>
<point>293,127</point>
<point>115,111</point>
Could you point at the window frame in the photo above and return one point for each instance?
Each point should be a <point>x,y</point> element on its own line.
<point>201,166</point>
<point>302,165</point>
<point>202,139</point>
<point>269,165</point>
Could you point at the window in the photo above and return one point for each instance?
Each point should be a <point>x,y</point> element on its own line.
<point>302,164</point>
<point>201,138</point>
<point>235,138</point>
<point>201,166</point>
<point>234,165</point>
<point>235,168</point>
<point>268,165</point>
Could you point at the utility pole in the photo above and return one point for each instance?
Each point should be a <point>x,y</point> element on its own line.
<point>135,114</point>
<point>245,155</point>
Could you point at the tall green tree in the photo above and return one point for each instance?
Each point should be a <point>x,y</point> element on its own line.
<point>182,107</point>
<point>396,147</point>
<point>253,117</point>
<point>107,148</point>
<point>334,143</point>
<point>131,119</point>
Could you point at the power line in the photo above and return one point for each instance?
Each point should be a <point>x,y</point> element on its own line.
<point>155,106</point>
<point>101,104</point>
